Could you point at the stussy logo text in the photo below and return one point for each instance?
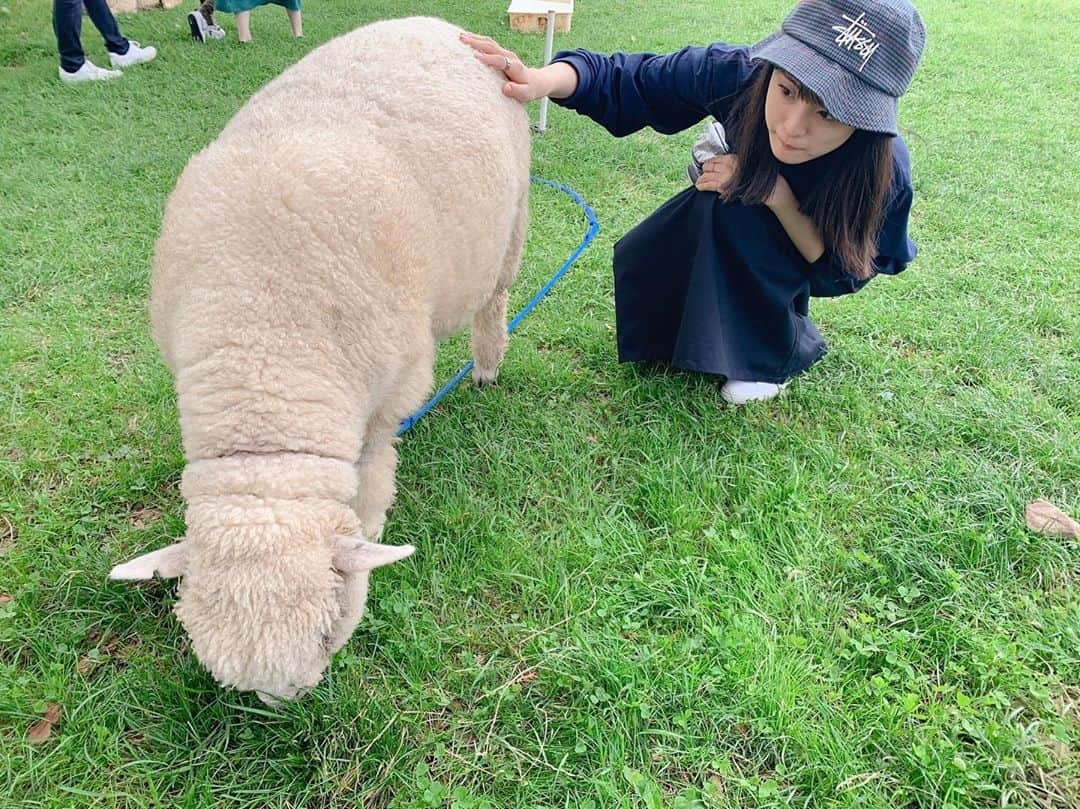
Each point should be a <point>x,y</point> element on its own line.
<point>855,36</point>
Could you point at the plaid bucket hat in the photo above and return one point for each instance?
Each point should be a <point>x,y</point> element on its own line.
<point>857,56</point>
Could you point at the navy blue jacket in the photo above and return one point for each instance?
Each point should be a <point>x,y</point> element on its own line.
<point>670,93</point>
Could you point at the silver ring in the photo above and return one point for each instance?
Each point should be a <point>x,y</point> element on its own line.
<point>508,63</point>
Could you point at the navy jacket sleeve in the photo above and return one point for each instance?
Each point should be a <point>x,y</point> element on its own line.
<point>627,92</point>
<point>828,278</point>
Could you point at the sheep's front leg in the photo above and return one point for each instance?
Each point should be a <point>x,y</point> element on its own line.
<point>375,472</point>
<point>377,463</point>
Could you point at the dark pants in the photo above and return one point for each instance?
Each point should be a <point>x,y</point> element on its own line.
<point>67,23</point>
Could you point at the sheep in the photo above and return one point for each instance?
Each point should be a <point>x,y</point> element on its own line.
<point>363,205</point>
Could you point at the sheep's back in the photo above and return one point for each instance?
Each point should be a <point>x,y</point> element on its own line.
<point>413,123</point>
<point>393,127</point>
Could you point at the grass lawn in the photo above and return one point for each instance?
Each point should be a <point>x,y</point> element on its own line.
<point>625,593</point>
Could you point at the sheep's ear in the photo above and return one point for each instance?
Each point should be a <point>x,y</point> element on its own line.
<point>352,555</point>
<point>168,562</point>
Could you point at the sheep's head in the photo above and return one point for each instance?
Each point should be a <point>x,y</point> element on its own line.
<point>270,589</point>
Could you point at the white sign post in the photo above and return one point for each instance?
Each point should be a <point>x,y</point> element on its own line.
<point>549,45</point>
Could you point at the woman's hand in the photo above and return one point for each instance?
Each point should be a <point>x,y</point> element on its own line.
<point>717,173</point>
<point>523,83</point>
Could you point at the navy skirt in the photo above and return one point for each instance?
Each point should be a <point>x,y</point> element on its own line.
<point>714,287</point>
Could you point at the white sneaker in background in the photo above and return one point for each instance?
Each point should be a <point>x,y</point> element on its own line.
<point>136,55</point>
<point>88,72</point>
<point>198,25</point>
<point>738,392</point>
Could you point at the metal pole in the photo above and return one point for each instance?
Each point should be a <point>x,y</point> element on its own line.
<point>549,45</point>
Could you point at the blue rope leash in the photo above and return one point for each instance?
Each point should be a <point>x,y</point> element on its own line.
<point>594,228</point>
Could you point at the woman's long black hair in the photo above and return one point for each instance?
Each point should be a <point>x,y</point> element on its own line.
<point>846,208</point>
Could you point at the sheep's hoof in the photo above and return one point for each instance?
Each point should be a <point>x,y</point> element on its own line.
<point>481,377</point>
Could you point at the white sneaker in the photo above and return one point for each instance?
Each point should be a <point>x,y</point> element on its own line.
<point>198,25</point>
<point>738,392</point>
<point>215,32</point>
<point>89,72</point>
<point>136,55</point>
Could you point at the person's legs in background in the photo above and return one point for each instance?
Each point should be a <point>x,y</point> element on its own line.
<point>296,22</point>
<point>102,18</point>
<point>67,24</point>
<point>201,22</point>
<point>243,26</point>
<point>74,66</point>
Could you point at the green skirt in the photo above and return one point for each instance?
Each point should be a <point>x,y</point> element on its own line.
<point>235,6</point>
